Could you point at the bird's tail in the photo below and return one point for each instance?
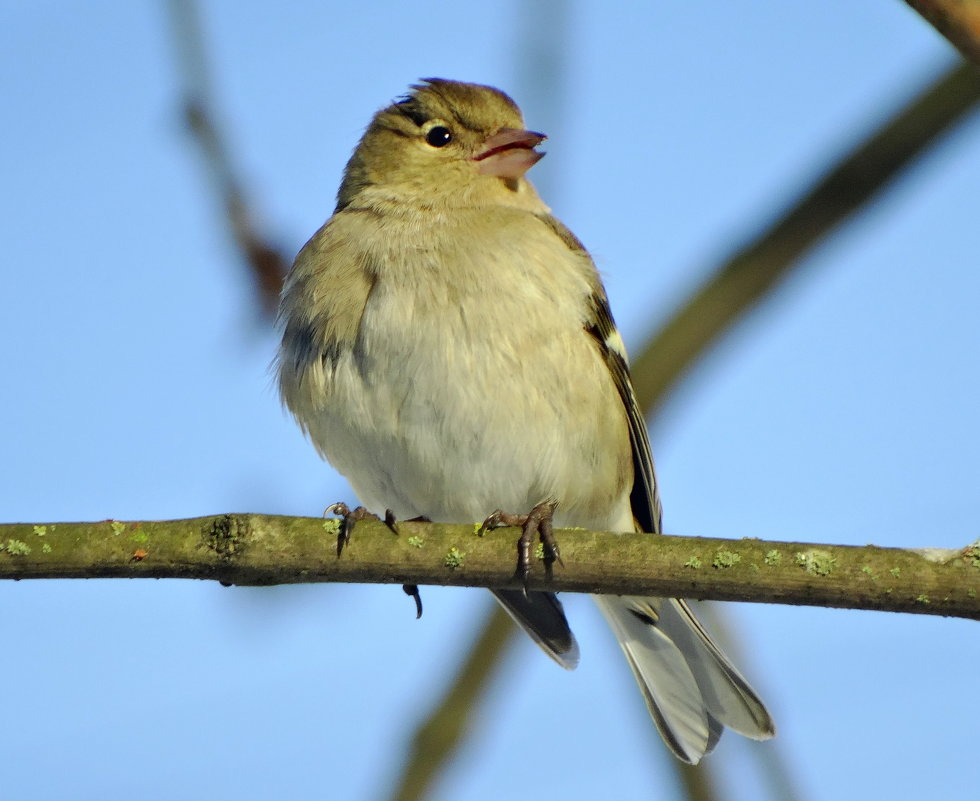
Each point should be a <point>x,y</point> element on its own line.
<point>540,614</point>
<point>690,687</point>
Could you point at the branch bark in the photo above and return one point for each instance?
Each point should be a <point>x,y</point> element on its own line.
<point>265,549</point>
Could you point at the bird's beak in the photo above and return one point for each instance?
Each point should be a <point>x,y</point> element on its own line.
<point>509,153</point>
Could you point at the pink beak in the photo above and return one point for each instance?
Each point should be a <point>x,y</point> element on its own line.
<point>509,153</point>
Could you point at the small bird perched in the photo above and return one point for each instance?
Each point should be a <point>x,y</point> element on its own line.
<point>448,347</point>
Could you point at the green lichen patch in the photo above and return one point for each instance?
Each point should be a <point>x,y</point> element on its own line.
<point>40,530</point>
<point>332,526</point>
<point>415,541</point>
<point>896,571</point>
<point>725,559</point>
<point>922,599</point>
<point>972,554</point>
<point>773,558</point>
<point>694,562</point>
<point>117,527</point>
<point>869,572</point>
<point>454,558</point>
<point>16,547</point>
<point>45,548</point>
<point>539,551</point>
<point>816,562</point>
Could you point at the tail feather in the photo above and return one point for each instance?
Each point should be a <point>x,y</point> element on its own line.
<point>541,615</point>
<point>727,695</point>
<point>691,689</point>
<point>665,678</point>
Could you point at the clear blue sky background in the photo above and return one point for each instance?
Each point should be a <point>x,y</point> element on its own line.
<point>136,387</point>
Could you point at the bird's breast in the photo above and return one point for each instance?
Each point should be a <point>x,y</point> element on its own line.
<point>473,384</point>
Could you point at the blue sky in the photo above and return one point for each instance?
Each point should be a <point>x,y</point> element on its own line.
<point>137,387</point>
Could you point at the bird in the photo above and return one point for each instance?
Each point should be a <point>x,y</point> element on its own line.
<point>448,346</point>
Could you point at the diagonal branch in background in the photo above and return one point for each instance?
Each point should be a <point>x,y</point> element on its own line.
<point>251,549</point>
<point>267,264</point>
<point>445,726</point>
<point>756,269</point>
<point>957,20</point>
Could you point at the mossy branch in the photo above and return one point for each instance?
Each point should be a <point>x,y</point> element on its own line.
<point>264,549</point>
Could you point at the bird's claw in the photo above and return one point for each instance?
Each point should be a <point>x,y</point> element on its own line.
<point>350,518</point>
<point>535,524</point>
<point>390,521</point>
<point>413,590</point>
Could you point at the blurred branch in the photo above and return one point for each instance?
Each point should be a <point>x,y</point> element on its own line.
<point>266,549</point>
<point>957,20</point>
<point>756,269</point>
<point>446,725</point>
<point>696,780</point>
<point>266,263</point>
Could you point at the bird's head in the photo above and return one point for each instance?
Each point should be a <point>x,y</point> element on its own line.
<point>445,142</point>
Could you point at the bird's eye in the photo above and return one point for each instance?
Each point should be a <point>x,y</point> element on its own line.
<point>439,136</point>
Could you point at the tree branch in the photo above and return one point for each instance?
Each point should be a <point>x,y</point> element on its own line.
<point>438,736</point>
<point>957,20</point>
<point>267,264</point>
<point>265,549</point>
<point>761,264</point>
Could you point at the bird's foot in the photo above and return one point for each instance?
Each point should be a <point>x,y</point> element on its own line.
<point>409,589</point>
<point>350,518</point>
<point>536,523</point>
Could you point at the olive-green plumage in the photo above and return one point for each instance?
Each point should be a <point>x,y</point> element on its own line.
<point>448,347</point>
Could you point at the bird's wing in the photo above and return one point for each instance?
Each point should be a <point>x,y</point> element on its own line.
<point>645,496</point>
<point>690,687</point>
